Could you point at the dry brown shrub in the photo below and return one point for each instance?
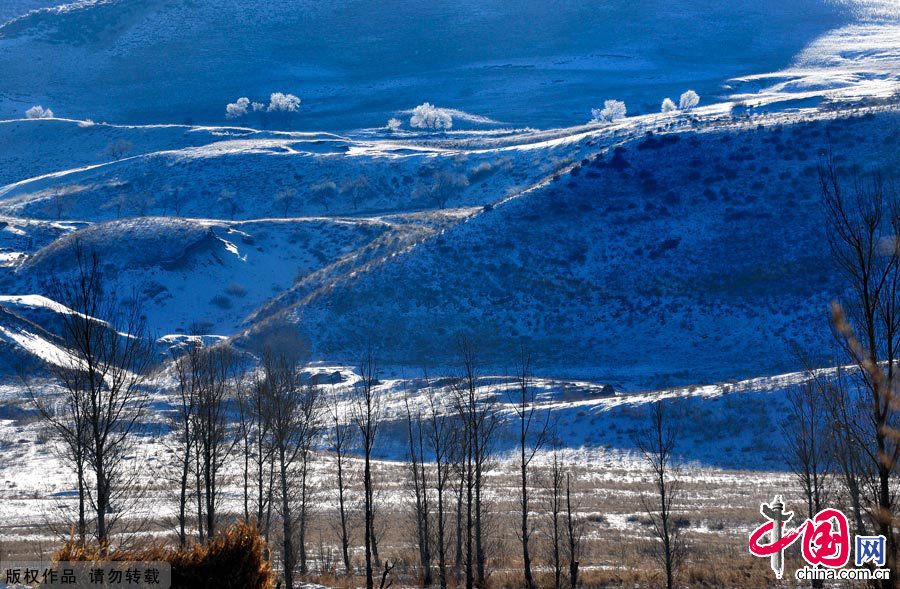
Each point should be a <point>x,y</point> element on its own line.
<point>235,558</point>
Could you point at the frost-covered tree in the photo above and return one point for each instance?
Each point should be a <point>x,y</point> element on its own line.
<point>689,100</point>
<point>612,110</point>
<point>323,193</point>
<point>394,124</point>
<point>284,199</point>
<point>238,108</point>
<point>228,199</point>
<point>356,188</point>
<point>428,116</point>
<point>446,186</point>
<point>279,102</point>
<point>38,112</point>
<point>668,106</point>
<point>118,148</point>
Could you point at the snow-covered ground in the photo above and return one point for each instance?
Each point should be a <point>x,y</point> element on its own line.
<point>663,254</point>
<point>355,65</point>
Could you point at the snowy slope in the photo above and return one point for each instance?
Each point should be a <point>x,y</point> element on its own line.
<point>203,275</point>
<point>355,64</point>
<point>617,255</point>
<point>674,259</point>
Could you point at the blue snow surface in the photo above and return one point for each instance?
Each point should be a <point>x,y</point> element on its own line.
<point>356,63</point>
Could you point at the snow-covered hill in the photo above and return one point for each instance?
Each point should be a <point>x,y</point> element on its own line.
<point>356,64</point>
<point>656,250</point>
<point>671,259</point>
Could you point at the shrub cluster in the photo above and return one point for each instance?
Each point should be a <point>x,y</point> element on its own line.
<point>235,558</point>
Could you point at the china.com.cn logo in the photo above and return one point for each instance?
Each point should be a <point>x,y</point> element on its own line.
<point>825,545</point>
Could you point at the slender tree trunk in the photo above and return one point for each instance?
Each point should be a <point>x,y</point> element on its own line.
<point>526,556</point>
<point>470,576</point>
<point>303,499</point>
<point>197,477</point>
<point>367,484</point>
<point>572,537</point>
<point>442,536</point>
<point>246,478</point>
<point>102,501</point>
<point>182,501</point>
<point>82,526</point>
<point>287,527</point>
<point>479,529</point>
<point>345,538</point>
<point>458,557</point>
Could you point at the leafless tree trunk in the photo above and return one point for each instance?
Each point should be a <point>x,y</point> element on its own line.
<point>211,426</point>
<point>310,432</point>
<point>246,424</point>
<point>341,442</point>
<point>532,436</point>
<point>808,447</point>
<point>862,233</point>
<point>366,416</point>
<point>845,411</point>
<point>294,423</point>
<point>441,438</point>
<point>198,490</point>
<point>460,465</point>
<point>263,450</point>
<point>554,510</point>
<point>68,421</point>
<point>110,353</point>
<point>416,438</point>
<point>656,444</point>
<point>479,417</point>
<point>187,369</point>
<point>574,534</point>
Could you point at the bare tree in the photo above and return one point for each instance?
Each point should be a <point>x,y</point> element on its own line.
<point>441,435</point>
<point>845,412</point>
<point>862,230</point>
<point>809,452</point>
<point>245,425</point>
<point>478,414</point>
<point>284,199</point>
<point>67,419</point>
<point>460,490</point>
<point>574,534</point>
<point>60,204</point>
<point>118,149</point>
<point>356,188</point>
<point>447,186</point>
<point>228,200</point>
<point>341,442</point>
<point>533,432</point>
<point>263,455</point>
<point>656,444</point>
<point>323,193</point>
<point>211,426</point>
<point>187,367</point>
<point>422,511</point>
<point>109,355</point>
<point>311,428</point>
<point>294,418</point>
<point>367,417</point>
<point>554,511</point>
